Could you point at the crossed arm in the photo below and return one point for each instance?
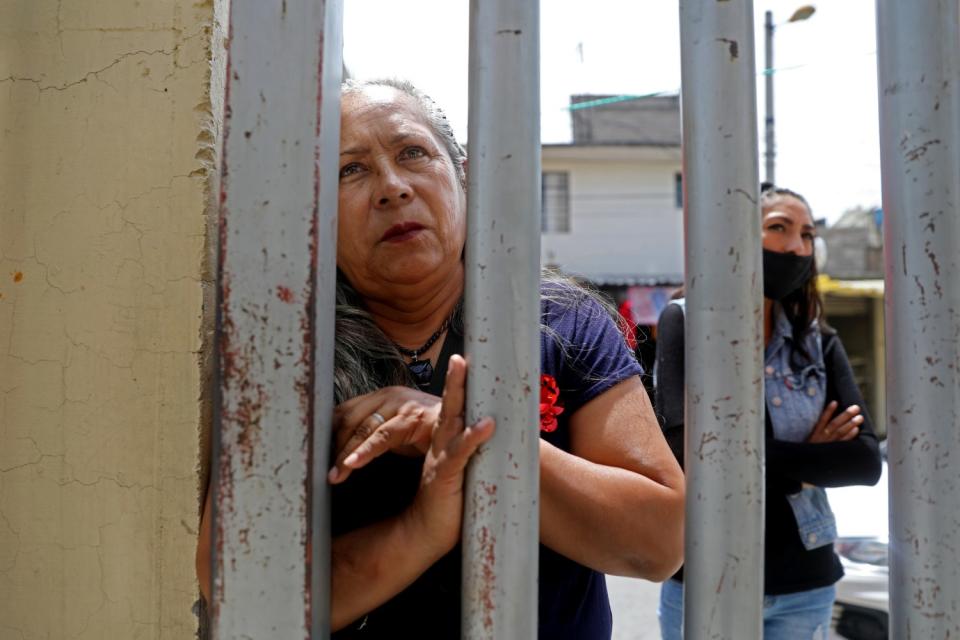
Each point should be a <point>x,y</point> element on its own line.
<point>842,448</point>
<point>614,503</point>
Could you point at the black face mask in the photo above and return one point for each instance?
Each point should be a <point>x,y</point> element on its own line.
<point>784,273</point>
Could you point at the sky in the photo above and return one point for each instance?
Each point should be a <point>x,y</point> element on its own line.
<point>825,78</point>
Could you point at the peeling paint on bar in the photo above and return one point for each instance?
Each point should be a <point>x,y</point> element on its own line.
<point>919,85</point>
<point>325,273</point>
<point>723,572</point>
<point>501,528</point>
<point>270,250</point>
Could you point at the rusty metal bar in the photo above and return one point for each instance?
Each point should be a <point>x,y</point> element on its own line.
<point>723,573</point>
<point>273,252</point>
<point>328,131</point>
<point>919,86</point>
<point>501,517</point>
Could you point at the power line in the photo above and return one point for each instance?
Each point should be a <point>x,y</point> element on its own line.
<point>627,97</point>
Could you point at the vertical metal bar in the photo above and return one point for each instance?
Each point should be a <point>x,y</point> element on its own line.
<point>723,573</point>
<point>878,408</point>
<point>327,182</point>
<point>501,517</point>
<point>268,259</point>
<point>770,154</point>
<point>919,86</point>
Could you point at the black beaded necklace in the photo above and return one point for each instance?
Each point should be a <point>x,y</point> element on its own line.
<point>422,370</point>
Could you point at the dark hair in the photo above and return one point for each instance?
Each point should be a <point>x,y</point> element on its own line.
<point>804,305</point>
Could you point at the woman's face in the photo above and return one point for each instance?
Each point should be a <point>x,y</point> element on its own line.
<point>787,226</point>
<point>402,218</point>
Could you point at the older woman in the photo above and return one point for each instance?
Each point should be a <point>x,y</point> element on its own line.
<point>611,491</point>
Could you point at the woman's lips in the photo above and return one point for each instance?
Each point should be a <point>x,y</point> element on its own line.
<point>401,232</point>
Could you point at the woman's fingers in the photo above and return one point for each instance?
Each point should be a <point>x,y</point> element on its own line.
<point>840,431</point>
<point>449,463</point>
<point>439,502</point>
<point>367,429</point>
<point>405,428</point>
<point>464,445</point>
<point>825,416</point>
<point>844,432</point>
<point>351,415</point>
<point>843,418</point>
<point>452,444</point>
<point>844,426</point>
<point>848,431</point>
<point>392,418</point>
<point>396,418</point>
<point>451,407</point>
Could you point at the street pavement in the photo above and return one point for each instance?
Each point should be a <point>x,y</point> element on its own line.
<point>634,604</point>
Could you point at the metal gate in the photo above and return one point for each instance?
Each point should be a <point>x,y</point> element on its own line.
<point>276,299</point>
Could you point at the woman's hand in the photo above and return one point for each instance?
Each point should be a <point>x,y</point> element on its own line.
<point>438,505</point>
<point>845,426</point>
<point>374,563</point>
<point>397,419</point>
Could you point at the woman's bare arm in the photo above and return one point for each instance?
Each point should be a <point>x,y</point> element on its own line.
<point>615,503</point>
<point>372,564</point>
<point>369,565</point>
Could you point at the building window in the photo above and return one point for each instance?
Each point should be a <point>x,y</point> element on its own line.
<point>678,190</point>
<point>555,202</point>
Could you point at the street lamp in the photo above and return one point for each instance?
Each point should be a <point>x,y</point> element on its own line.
<point>770,154</point>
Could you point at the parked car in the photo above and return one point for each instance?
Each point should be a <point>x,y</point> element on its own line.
<point>862,608</point>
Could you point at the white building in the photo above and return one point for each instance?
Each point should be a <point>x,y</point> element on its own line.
<point>612,199</point>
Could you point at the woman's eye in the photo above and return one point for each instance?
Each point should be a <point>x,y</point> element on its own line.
<point>776,226</point>
<point>349,170</point>
<point>412,152</point>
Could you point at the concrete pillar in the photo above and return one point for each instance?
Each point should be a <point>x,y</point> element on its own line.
<point>106,169</point>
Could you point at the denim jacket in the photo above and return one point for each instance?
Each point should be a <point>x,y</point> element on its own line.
<point>794,401</point>
<point>795,389</point>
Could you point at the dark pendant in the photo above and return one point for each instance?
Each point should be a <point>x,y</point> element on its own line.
<point>422,371</point>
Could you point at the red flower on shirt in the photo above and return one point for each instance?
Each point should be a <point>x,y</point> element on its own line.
<point>550,406</point>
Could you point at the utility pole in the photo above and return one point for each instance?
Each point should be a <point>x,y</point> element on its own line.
<point>770,152</point>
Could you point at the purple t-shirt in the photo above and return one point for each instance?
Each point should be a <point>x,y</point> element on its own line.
<point>586,354</point>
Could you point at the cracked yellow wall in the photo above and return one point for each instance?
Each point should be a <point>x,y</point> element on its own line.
<point>107,134</point>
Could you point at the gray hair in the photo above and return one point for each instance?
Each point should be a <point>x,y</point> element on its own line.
<point>436,118</point>
<point>365,359</point>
